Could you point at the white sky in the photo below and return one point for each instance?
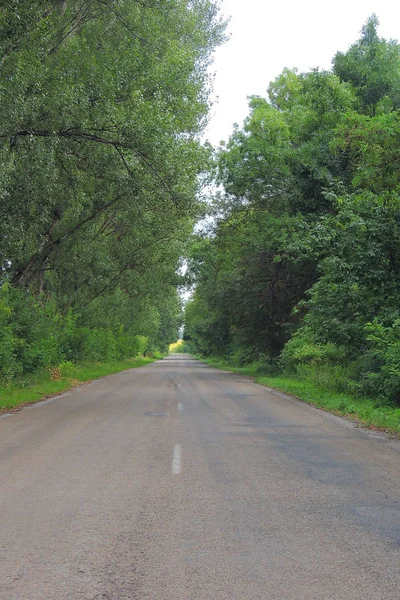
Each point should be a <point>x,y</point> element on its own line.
<point>267,36</point>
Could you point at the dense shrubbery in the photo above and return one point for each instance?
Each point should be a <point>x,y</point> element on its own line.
<point>35,335</point>
<point>380,372</point>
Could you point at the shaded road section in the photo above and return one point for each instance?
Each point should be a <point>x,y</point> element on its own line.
<point>177,481</point>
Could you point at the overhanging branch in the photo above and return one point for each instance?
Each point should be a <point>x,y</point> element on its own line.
<point>72,133</point>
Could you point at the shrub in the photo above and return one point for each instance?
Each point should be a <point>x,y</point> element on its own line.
<point>131,345</point>
<point>35,334</point>
<point>66,368</point>
<point>38,325</point>
<point>380,366</point>
<point>9,365</point>
<point>100,345</point>
<point>242,355</point>
<point>303,348</point>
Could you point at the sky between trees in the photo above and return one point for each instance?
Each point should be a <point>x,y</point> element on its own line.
<point>267,36</point>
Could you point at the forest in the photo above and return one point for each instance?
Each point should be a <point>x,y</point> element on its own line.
<point>299,271</point>
<point>295,270</point>
<point>102,105</point>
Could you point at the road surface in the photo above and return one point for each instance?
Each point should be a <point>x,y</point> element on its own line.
<point>177,481</point>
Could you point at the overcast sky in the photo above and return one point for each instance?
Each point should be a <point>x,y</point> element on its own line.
<point>268,36</point>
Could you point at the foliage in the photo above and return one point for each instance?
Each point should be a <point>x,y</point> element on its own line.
<point>179,347</point>
<point>303,348</point>
<point>9,365</point>
<point>380,374</point>
<point>35,335</point>
<point>102,103</point>
<point>302,267</point>
<point>371,66</point>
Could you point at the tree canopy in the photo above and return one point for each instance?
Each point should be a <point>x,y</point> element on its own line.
<point>302,268</point>
<point>102,103</point>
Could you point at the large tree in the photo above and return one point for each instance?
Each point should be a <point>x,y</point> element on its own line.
<point>102,106</point>
<point>102,103</point>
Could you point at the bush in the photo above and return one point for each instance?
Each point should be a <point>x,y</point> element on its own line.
<point>130,346</point>
<point>380,365</point>
<point>139,344</point>
<point>100,345</point>
<point>31,332</point>
<point>333,377</point>
<point>325,364</point>
<point>242,355</point>
<point>9,365</point>
<point>35,335</point>
<point>66,368</point>
<point>303,348</point>
<point>39,328</point>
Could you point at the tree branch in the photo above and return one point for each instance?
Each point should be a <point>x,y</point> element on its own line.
<point>37,260</point>
<point>72,133</point>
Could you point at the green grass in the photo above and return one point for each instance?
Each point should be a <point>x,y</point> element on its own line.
<point>34,387</point>
<point>367,411</point>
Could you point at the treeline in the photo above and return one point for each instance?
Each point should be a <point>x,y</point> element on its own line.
<point>102,103</point>
<point>302,270</point>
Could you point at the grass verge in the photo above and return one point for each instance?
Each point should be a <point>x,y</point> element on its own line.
<point>367,411</point>
<point>36,386</point>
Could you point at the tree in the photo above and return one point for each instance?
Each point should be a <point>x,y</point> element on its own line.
<point>303,263</point>
<point>371,65</point>
<point>102,107</point>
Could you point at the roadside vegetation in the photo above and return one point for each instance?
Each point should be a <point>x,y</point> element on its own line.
<point>300,275</point>
<point>179,347</point>
<point>103,103</point>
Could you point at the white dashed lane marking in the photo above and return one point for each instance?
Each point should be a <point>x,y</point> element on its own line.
<point>177,460</point>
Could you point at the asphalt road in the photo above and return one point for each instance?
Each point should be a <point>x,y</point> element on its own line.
<point>176,481</point>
